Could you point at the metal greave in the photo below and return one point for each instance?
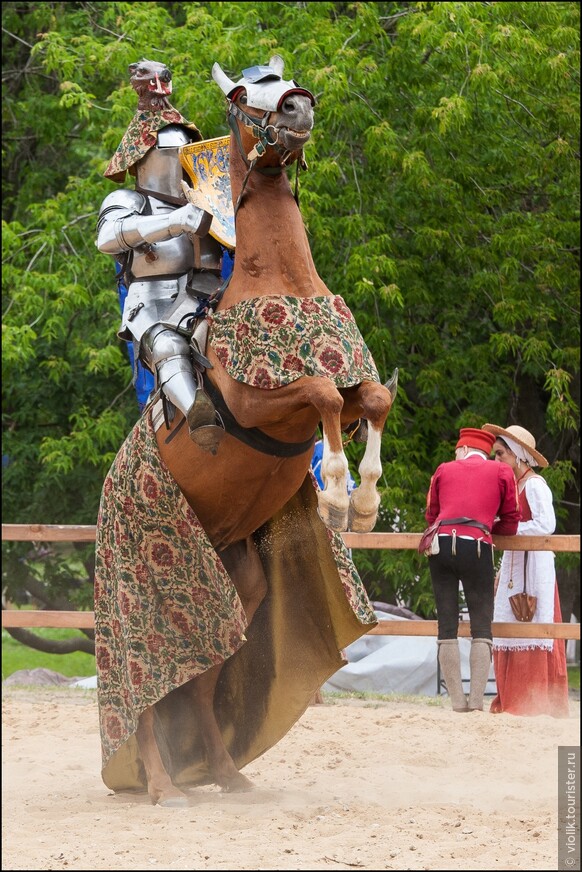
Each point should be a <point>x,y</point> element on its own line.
<point>167,353</point>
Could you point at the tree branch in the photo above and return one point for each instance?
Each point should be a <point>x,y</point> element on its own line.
<point>51,646</point>
<point>13,35</point>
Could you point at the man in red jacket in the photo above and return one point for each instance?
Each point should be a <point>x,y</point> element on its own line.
<point>471,498</point>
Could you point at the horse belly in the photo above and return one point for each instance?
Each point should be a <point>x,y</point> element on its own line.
<point>239,490</point>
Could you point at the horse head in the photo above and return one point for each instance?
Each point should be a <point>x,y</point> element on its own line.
<point>272,118</point>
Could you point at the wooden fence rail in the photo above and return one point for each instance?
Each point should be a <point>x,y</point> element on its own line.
<point>391,541</point>
<point>86,620</point>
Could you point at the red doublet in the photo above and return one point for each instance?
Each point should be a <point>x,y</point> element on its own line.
<point>474,488</point>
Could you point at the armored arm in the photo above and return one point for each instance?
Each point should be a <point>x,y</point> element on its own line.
<point>122,226</point>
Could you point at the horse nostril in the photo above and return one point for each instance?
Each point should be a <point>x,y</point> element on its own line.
<point>166,76</point>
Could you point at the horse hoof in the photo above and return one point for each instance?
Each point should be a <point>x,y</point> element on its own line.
<point>335,519</point>
<point>208,438</point>
<point>174,802</point>
<point>239,783</point>
<point>361,522</point>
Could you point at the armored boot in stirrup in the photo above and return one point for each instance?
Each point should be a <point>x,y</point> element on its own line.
<point>168,353</point>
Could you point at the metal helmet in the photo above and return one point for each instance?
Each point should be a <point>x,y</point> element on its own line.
<point>266,89</point>
<point>160,169</point>
<point>173,136</point>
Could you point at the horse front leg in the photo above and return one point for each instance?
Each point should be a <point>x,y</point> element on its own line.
<point>333,501</point>
<point>365,499</point>
<point>376,400</point>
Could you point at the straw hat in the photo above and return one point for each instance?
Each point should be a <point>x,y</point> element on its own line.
<point>520,435</point>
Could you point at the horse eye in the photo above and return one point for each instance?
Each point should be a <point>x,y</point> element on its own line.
<point>243,99</point>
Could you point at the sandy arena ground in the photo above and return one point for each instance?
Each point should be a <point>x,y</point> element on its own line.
<point>355,784</point>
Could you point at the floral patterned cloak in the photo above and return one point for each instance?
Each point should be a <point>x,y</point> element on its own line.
<point>166,610</point>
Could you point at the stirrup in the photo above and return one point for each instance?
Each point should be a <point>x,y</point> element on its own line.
<point>208,438</point>
<point>202,412</point>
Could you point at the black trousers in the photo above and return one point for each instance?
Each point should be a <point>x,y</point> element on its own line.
<point>475,573</point>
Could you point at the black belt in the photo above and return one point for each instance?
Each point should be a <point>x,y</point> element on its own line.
<point>162,277</point>
<point>467,522</point>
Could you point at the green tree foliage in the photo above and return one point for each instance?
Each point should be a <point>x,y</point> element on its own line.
<point>441,202</point>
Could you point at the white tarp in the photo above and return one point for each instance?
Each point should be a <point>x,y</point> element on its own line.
<point>397,664</point>
<point>90,683</point>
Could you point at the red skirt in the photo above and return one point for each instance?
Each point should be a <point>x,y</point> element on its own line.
<point>533,682</point>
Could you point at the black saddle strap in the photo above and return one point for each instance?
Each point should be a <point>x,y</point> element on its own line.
<point>252,436</point>
<point>175,431</point>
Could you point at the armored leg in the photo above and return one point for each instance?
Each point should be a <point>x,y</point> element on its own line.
<point>168,353</point>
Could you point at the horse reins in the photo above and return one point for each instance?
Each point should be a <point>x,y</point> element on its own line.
<point>260,130</point>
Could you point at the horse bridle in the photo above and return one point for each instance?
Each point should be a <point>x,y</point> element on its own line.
<point>260,129</point>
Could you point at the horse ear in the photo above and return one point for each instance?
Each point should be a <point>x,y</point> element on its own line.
<point>277,63</point>
<point>392,384</point>
<point>224,83</point>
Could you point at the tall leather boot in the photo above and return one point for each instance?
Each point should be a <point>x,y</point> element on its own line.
<point>480,662</point>
<point>450,663</point>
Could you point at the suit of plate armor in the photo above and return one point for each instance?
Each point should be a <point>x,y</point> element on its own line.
<point>169,264</point>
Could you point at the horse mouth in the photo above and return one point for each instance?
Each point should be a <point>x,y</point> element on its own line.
<point>293,139</point>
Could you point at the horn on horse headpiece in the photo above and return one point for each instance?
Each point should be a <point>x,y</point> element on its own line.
<point>266,89</point>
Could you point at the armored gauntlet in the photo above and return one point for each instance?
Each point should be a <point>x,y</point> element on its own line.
<point>135,230</point>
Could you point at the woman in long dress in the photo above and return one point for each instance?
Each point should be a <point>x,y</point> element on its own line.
<point>531,674</point>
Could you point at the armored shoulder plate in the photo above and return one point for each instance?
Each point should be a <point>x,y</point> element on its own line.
<point>122,202</point>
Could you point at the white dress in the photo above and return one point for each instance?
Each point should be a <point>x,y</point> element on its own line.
<point>541,573</point>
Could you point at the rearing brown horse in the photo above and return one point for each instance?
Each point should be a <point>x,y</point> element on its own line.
<point>308,364</point>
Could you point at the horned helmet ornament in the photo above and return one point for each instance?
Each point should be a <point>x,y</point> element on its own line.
<point>264,84</point>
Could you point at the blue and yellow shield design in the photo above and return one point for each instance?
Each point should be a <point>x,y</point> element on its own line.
<point>207,165</point>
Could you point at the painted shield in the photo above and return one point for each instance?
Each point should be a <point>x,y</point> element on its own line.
<point>207,165</point>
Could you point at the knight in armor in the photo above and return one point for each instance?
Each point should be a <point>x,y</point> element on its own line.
<point>167,259</point>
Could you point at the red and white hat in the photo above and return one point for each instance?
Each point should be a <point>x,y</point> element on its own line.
<point>475,438</point>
